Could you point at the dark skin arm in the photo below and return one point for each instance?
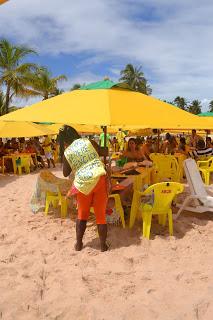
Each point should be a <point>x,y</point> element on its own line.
<point>66,168</point>
<point>101,151</point>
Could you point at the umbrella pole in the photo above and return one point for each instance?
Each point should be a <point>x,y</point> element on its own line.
<point>158,140</point>
<point>105,140</point>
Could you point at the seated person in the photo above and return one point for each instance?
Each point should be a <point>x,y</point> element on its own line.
<point>30,148</point>
<point>7,146</point>
<point>146,148</point>
<point>155,145</point>
<point>39,151</point>
<point>169,145</point>
<point>209,142</point>
<point>133,154</point>
<point>183,147</point>
<point>194,138</point>
<point>201,150</point>
<point>22,144</point>
<point>2,149</point>
<point>14,144</point>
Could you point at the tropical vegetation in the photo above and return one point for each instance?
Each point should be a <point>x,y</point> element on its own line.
<point>44,84</point>
<point>180,102</point>
<point>134,77</point>
<point>14,72</point>
<point>195,107</point>
<point>211,106</point>
<point>19,78</point>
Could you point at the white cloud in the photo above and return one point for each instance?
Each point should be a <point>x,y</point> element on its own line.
<point>171,40</point>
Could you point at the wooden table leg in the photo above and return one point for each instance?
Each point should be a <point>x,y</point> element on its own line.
<point>14,165</point>
<point>36,161</point>
<point>3,165</point>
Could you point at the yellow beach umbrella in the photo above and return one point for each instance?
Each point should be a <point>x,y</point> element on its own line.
<point>184,131</point>
<point>81,128</point>
<point>140,132</point>
<point>115,107</point>
<point>13,129</point>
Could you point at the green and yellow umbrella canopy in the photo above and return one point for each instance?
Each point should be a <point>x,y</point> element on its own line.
<point>206,114</point>
<point>110,107</point>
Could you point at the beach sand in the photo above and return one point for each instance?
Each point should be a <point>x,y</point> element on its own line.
<point>42,277</point>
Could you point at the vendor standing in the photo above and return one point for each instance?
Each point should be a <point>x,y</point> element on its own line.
<point>120,136</point>
<point>102,137</point>
<point>47,146</point>
<point>90,185</point>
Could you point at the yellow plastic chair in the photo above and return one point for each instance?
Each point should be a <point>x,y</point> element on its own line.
<point>167,167</point>
<point>140,181</point>
<point>180,159</point>
<point>138,185</point>
<point>23,162</point>
<point>163,194</point>
<point>55,199</point>
<point>206,167</point>
<point>118,207</point>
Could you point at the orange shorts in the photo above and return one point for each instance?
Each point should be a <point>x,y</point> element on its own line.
<point>97,199</point>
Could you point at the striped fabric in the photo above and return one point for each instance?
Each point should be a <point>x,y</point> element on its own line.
<point>204,152</point>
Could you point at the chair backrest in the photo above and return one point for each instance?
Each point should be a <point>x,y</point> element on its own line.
<point>210,162</point>
<point>194,179</point>
<point>204,157</point>
<point>138,183</point>
<point>164,193</point>
<point>25,161</point>
<point>167,166</point>
<point>155,156</point>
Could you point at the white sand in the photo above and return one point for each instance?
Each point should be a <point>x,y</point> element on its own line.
<point>42,277</point>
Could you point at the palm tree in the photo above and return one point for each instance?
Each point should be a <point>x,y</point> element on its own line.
<point>14,74</point>
<point>170,102</point>
<point>195,107</point>
<point>135,79</point>
<point>44,85</point>
<point>211,106</point>
<point>76,86</point>
<point>2,103</point>
<point>180,102</point>
<point>57,92</point>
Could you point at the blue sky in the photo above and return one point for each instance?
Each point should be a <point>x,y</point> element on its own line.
<point>87,40</point>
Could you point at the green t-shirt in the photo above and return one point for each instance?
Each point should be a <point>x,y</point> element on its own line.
<point>102,139</point>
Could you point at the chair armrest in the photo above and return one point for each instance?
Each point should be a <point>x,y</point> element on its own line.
<point>202,162</point>
<point>199,197</point>
<point>209,189</point>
